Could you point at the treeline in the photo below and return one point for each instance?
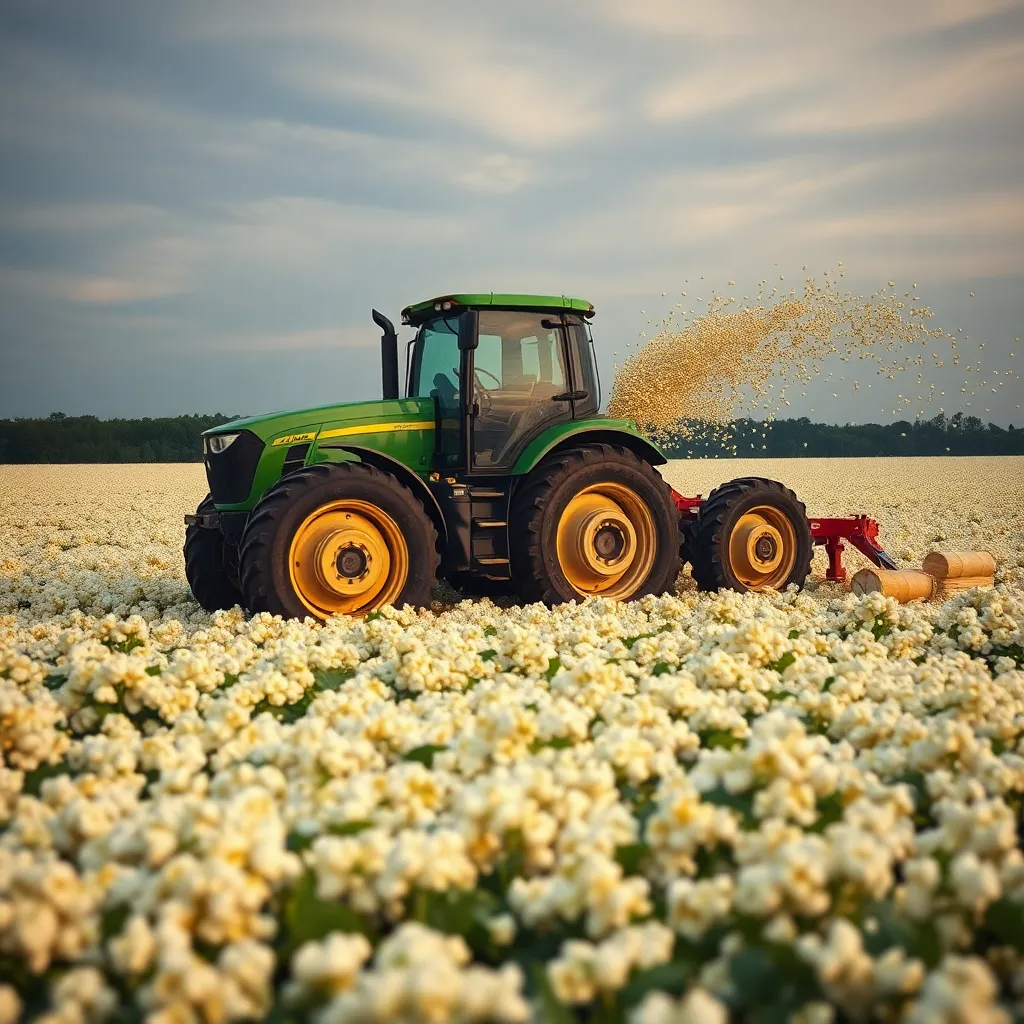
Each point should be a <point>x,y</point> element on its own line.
<point>61,438</point>
<point>796,438</point>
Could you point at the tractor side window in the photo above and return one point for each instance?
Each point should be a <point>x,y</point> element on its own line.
<point>487,360</point>
<point>518,369</point>
<point>583,370</point>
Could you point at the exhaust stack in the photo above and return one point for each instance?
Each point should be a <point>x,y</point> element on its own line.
<point>388,355</point>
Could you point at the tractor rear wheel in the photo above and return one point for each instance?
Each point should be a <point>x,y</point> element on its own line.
<point>750,534</point>
<point>337,539</point>
<point>207,568</point>
<point>594,521</point>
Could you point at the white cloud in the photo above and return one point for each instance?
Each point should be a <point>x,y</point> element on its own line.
<point>469,164</point>
<point>476,66</point>
<point>528,101</point>
<point>497,174</point>
<point>901,92</point>
<point>799,22</point>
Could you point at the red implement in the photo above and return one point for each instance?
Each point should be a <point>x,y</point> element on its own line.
<point>860,531</point>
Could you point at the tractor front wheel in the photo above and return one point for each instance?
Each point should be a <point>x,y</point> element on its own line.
<point>207,568</point>
<point>594,521</point>
<point>341,539</point>
<point>750,534</point>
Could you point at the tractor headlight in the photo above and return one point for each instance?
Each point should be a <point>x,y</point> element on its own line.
<point>220,442</point>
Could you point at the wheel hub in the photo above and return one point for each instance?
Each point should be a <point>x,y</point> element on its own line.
<point>352,562</point>
<point>762,548</point>
<point>609,541</point>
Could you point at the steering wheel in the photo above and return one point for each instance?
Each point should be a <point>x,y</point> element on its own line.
<point>481,393</point>
<point>477,373</point>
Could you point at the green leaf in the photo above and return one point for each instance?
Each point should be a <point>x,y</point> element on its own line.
<point>34,779</point>
<point>307,917</point>
<point>349,828</point>
<point>55,680</point>
<point>781,664</point>
<point>827,685</point>
<point>714,860</point>
<point>631,856</point>
<point>331,678</point>
<point>661,668</point>
<point>423,754</point>
<point>741,802</point>
<point>112,920</point>
<point>830,810</point>
<point>489,655</point>
<point>462,912</point>
<point>490,631</point>
<point>1005,919</point>
<point>554,665</point>
<point>771,982</point>
<point>673,978</point>
<point>753,975</point>
<point>628,641</point>
<point>556,743</point>
<point>881,627</point>
<point>372,616</point>
<point>918,938</point>
<point>153,670</point>
<point>794,633</point>
<point>127,646</point>
<point>714,739</point>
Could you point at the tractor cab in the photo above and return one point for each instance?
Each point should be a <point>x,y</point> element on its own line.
<point>500,368</point>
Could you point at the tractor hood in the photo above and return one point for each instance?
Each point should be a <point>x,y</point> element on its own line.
<point>270,426</point>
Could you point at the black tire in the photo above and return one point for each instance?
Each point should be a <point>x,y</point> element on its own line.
<point>708,544</point>
<point>207,566</point>
<point>539,503</point>
<point>263,558</point>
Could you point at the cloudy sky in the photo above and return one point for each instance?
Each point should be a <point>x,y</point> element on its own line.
<point>200,204</point>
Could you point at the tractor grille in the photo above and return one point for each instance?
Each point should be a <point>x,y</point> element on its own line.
<point>230,473</point>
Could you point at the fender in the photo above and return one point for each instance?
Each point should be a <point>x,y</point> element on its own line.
<point>595,431</point>
<point>328,452</point>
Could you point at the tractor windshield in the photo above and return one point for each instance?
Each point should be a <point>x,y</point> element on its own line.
<point>435,362</point>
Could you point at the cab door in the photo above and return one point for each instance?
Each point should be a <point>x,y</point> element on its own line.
<point>521,385</point>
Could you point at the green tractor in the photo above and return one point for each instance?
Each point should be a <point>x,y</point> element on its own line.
<point>495,472</point>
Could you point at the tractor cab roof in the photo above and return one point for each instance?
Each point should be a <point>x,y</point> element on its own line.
<point>421,311</point>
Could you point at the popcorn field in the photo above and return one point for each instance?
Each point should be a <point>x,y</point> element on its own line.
<point>795,807</point>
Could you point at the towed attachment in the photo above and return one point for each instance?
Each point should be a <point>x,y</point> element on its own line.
<point>860,531</point>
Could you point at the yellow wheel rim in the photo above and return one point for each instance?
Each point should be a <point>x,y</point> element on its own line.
<point>347,557</point>
<point>606,541</point>
<point>762,548</point>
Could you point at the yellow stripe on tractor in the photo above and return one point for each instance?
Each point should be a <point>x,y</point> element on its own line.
<point>377,428</point>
